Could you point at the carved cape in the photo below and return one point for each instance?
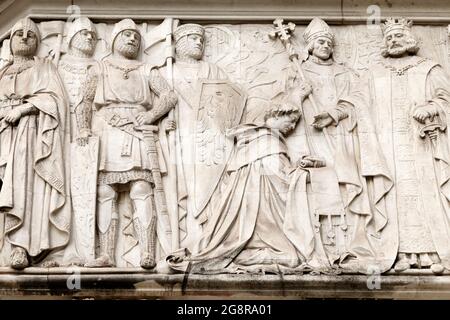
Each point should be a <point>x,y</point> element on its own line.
<point>245,231</point>
<point>187,79</point>
<point>359,172</point>
<point>35,192</point>
<point>423,180</point>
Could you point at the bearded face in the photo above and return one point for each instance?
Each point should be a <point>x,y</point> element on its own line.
<point>24,44</point>
<point>190,46</point>
<point>127,44</point>
<point>85,42</point>
<point>399,43</point>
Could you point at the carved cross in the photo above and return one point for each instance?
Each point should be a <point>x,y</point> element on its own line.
<point>282,30</point>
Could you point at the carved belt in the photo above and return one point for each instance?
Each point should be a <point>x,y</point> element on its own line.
<point>124,124</point>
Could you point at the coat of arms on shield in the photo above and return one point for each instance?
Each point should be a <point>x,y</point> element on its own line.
<point>220,107</point>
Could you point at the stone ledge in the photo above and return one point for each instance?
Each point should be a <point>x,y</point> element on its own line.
<point>138,284</point>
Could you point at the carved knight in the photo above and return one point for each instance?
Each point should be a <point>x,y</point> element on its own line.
<point>408,98</point>
<point>200,158</point>
<point>74,70</point>
<point>78,71</point>
<point>129,94</point>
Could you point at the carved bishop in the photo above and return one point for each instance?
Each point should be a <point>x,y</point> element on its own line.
<point>340,238</point>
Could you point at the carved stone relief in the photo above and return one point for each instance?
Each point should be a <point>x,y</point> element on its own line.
<point>225,148</point>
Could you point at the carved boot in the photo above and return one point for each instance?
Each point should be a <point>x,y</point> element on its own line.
<point>107,243</point>
<point>19,258</point>
<point>147,243</point>
<point>437,268</point>
<point>402,263</point>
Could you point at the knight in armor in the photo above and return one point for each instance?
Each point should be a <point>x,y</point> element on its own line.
<point>129,94</point>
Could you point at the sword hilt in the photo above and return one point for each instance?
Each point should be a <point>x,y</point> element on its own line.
<point>431,128</point>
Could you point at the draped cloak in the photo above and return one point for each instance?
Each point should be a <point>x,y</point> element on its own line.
<point>418,205</point>
<point>186,80</point>
<point>246,229</point>
<point>35,192</point>
<point>356,176</point>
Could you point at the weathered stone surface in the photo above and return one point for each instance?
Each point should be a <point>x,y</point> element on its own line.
<point>186,150</point>
<point>133,283</point>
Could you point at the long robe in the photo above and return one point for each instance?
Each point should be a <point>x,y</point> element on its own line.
<point>344,228</point>
<point>246,230</point>
<point>35,192</point>
<point>418,205</point>
<point>186,80</point>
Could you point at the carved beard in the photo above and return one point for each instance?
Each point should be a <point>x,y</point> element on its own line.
<point>183,49</point>
<point>395,52</point>
<point>127,50</point>
<point>23,49</point>
<point>84,46</point>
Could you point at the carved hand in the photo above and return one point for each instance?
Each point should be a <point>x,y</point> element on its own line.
<point>305,89</point>
<point>322,120</point>
<point>13,115</point>
<point>311,162</point>
<point>83,137</point>
<point>422,113</point>
<point>170,125</point>
<point>144,118</point>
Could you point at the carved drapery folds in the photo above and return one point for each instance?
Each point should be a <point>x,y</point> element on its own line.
<point>225,148</point>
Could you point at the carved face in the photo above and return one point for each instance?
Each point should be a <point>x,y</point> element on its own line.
<point>24,43</point>
<point>285,123</point>
<point>322,48</point>
<point>191,46</point>
<point>127,44</point>
<point>84,41</point>
<point>397,43</point>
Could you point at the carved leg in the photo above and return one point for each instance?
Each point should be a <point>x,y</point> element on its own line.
<point>144,221</point>
<point>19,258</point>
<point>107,241</point>
<point>107,222</point>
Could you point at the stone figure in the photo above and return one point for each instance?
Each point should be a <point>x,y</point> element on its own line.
<point>74,70</point>
<point>246,229</point>
<point>130,94</point>
<point>200,159</point>
<point>408,97</point>
<point>78,71</point>
<point>33,132</point>
<point>341,237</point>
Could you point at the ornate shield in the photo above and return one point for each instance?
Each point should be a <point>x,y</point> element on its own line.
<point>220,107</point>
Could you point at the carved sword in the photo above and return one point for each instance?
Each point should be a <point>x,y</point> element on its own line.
<point>149,134</point>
